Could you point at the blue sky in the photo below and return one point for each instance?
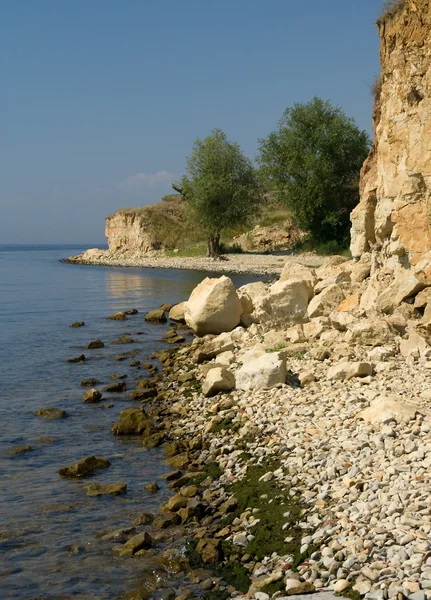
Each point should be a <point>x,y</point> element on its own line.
<point>101,100</point>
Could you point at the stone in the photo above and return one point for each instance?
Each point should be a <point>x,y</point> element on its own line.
<point>175,503</point>
<point>209,550</point>
<point>119,316</point>
<point>123,339</point>
<point>218,380</point>
<point>118,387</point>
<point>133,421</point>
<point>213,307</point>
<point>131,311</point>
<point>370,332</point>
<point>293,270</point>
<point>342,320</point>
<point>77,359</point>
<point>295,588</point>
<point>306,378</point>
<point>340,278</point>
<point>51,413</point>
<point>214,347</point>
<point>152,487</point>
<point>177,313</point>
<point>264,372</point>
<point>21,450</point>
<point>349,303</point>
<point>414,345</point>
<point>340,585</point>
<point>423,298</point>
<point>156,316</point>
<point>326,301</point>
<point>95,344</point>
<point>388,408</point>
<point>77,324</point>
<point>400,289</point>
<point>285,303</point>
<point>85,467</point>
<point>111,489</point>
<point>141,541</point>
<point>92,396</point>
<point>90,382</point>
<point>348,370</point>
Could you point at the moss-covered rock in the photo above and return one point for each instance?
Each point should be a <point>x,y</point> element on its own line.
<point>156,316</point>
<point>85,467</point>
<point>133,421</point>
<point>92,396</point>
<point>51,413</point>
<point>77,324</point>
<point>117,388</point>
<point>90,382</point>
<point>111,489</point>
<point>95,344</point>
<point>77,359</point>
<point>119,316</point>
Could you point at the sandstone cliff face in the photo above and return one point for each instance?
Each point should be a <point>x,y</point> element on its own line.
<point>394,214</point>
<point>127,231</point>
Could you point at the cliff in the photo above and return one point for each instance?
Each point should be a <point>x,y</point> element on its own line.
<point>137,231</point>
<point>393,216</point>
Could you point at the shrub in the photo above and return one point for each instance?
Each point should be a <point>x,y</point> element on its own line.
<point>390,7</point>
<point>376,88</point>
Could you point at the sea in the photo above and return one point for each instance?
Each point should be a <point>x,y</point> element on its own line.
<point>51,544</point>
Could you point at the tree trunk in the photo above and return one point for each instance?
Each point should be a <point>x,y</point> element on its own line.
<point>213,245</point>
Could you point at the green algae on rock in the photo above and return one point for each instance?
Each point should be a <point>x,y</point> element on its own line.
<point>85,467</point>
<point>51,413</point>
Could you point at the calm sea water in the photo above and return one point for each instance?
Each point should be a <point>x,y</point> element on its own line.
<point>50,530</point>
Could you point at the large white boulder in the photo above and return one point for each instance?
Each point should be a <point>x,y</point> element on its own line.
<point>286,303</point>
<point>388,408</point>
<point>294,270</point>
<point>263,372</point>
<point>213,307</point>
<point>218,380</point>
<point>177,312</point>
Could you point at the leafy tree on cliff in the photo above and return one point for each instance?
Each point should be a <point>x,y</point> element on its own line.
<point>312,163</point>
<point>220,188</point>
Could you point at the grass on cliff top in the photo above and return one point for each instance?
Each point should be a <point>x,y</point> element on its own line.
<point>390,8</point>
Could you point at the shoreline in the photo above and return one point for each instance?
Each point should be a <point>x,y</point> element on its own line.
<point>251,264</point>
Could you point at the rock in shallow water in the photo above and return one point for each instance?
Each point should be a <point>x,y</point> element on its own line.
<point>95,344</point>
<point>85,467</point>
<point>112,489</point>
<point>51,413</point>
<point>77,359</point>
<point>77,324</point>
<point>90,382</point>
<point>92,396</point>
<point>156,316</point>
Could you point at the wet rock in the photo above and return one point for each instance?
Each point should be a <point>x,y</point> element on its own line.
<point>51,413</point>
<point>90,382</point>
<point>118,535</point>
<point>131,311</point>
<point>152,487</point>
<point>156,316</point>
<point>209,550</point>
<point>166,307</point>
<point>152,439</point>
<point>85,467</point>
<point>95,344</point>
<point>135,363</point>
<point>172,476</point>
<point>181,461</point>
<point>77,324</point>
<point>143,394</point>
<point>123,339</point>
<point>141,541</point>
<point>116,387</point>
<point>77,359</point>
<point>175,503</point>
<point>22,450</point>
<point>92,396</point>
<point>133,421</point>
<point>119,316</point>
<point>112,489</point>
<point>118,376</point>
<point>166,521</point>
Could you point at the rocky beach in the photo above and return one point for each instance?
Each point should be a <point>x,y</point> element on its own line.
<point>300,451</point>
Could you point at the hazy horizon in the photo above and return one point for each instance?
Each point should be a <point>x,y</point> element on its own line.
<point>101,103</point>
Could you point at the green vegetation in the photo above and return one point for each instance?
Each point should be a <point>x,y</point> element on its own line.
<point>312,163</point>
<point>220,187</point>
<point>275,508</point>
<point>376,87</point>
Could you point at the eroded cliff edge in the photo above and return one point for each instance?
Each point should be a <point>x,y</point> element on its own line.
<point>393,217</point>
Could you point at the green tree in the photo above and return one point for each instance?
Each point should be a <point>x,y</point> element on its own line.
<point>312,162</point>
<point>220,188</point>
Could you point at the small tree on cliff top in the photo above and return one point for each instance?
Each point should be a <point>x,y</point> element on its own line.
<point>312,163</point>
<point>220,188</point>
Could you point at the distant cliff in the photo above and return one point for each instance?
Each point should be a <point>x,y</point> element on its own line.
<point>146,229</point>
<point>394,214</point>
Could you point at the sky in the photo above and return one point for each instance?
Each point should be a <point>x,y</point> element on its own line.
<point>101,100</point>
